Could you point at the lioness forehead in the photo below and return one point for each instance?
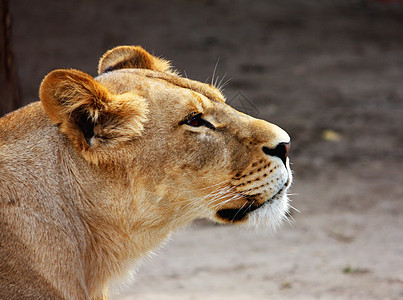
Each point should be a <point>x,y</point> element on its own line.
<point>120,81</point>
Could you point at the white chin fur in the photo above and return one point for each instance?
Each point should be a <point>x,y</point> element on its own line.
<point>269,216</point>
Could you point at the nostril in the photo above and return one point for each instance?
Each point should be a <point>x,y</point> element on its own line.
<point>280,151</point>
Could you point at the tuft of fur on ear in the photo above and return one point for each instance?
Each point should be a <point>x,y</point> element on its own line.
<point>135,57</point>
<point>94,119</point>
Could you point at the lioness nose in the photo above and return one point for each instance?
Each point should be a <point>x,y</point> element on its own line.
<point>281,151</point>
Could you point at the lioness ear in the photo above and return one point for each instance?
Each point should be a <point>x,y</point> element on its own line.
<point>94,119</point>
<point>136,57</point>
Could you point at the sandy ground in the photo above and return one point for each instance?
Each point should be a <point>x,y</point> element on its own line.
<point>329,72</point>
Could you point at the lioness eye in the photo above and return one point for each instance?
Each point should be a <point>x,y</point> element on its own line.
<point>197,121</point>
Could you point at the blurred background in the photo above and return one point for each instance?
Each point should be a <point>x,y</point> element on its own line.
<point>328,72</point>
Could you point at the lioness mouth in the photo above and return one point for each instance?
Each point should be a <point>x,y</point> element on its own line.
<point>234,215</point>
<point>238,214</point>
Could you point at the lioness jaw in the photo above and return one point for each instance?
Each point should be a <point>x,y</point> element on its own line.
<point>102,170</point>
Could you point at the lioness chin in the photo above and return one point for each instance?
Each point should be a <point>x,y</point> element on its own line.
<point>102,170</point>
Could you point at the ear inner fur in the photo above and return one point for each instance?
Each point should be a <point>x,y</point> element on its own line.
<point>124,57</point>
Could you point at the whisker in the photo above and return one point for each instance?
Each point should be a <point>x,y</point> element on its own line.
<point>215,195</point>
<point>200,189</point>
<point>215,69</point>
<point>219,205</point>
<point>218,86</point>
<point>296,209</point>
<point>238,211</point>
<point>221,88</point>
<point>215,81</point>
<point>243,207</point>
<point>290,219</point>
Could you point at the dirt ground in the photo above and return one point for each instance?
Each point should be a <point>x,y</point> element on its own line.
<point>329,72</point>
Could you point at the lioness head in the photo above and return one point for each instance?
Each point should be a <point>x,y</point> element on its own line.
<point>181,147</point>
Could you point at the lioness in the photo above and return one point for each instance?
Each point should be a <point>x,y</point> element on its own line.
<point>102,170</point>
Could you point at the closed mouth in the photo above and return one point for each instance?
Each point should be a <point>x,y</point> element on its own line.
<point>238,214</point>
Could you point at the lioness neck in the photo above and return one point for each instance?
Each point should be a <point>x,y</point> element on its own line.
<point>123,221</point>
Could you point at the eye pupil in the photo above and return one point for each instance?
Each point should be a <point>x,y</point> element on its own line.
<point>197,121</point>
<point>194,121</point>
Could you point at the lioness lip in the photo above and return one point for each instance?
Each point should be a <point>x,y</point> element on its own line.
<point>238,214</point>
<point>234,215</point>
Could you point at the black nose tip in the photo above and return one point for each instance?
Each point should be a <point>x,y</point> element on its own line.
<point>280,151</point>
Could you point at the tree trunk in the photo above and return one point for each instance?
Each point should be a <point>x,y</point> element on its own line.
<point>9,92</point>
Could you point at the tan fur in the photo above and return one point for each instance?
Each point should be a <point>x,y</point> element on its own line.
<point>102,170</point>
<point>128,56</point>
